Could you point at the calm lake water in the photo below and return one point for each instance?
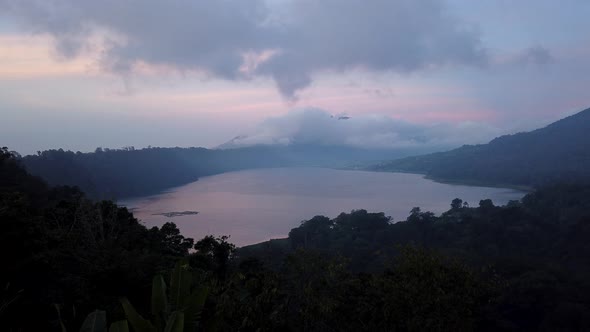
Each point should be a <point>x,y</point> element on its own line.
<point>256,205</point>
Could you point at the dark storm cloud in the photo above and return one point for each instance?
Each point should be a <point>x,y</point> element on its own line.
<point>401,36</point>
<point>305,36</point>
<point>208,35</point>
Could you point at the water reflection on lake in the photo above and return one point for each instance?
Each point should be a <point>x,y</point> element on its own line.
<point>255,205</point>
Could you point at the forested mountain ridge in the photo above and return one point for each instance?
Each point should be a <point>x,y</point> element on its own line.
<point>116,173</point>
<point>557,153</point>
<point>119,173</point>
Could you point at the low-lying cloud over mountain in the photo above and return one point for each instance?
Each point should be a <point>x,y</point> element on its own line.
<point>289,40</point>
<point>319,127</point>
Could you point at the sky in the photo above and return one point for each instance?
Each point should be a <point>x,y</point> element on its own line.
<point>79,74</point>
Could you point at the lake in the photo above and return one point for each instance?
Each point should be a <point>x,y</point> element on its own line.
<point>256,205</point>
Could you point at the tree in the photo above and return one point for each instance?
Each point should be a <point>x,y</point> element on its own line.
<point>456,204</point>
<point>486,204</point>
<point>314,230</point>
<point>416,215</point>
<point>173,242</point>
<point>216,253</point>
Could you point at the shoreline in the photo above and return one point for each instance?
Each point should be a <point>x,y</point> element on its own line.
<point>471,183</point>
<point>474,183</point>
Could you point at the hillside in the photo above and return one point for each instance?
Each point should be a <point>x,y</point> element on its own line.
<point>533,252</point>
<point>60,250</point>
<point>118,173</point>
<point>557,153</point>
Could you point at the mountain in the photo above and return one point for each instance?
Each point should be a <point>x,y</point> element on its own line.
<point>120,173</point>
<point>314,137</point>
<point>559,152</point>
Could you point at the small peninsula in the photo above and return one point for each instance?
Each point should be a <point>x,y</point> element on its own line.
<point>175,214</point>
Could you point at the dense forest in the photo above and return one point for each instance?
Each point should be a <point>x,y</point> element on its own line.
<point>120,173</point>
<point>71,263</point>
<point>558,153</point>
<point>117,173</point>
<point>61,250</point>
<point>529,260</point>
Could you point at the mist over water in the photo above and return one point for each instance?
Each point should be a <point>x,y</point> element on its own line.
<point>256,205</point>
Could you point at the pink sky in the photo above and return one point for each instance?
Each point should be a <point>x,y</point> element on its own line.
<point>536,75</point>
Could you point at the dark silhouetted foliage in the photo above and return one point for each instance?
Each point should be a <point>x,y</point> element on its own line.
<point>58,247</point>
<point>524,266</point>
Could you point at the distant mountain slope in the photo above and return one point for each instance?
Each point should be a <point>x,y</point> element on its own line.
<point>559,152</point>
<point>129,172</point>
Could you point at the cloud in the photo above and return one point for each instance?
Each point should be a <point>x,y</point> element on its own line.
<point>538,55</point>
<point>534,55</point>
<point>291,40</point>
<point>316,126</point>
